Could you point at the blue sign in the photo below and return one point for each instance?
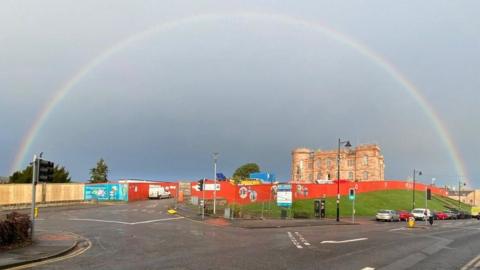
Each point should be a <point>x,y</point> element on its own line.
<point>263,176</point>
<point>106,192</point>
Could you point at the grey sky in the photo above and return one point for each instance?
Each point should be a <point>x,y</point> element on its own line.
<point>249,89</point>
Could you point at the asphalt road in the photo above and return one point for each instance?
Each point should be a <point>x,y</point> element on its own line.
<point>143,236</point>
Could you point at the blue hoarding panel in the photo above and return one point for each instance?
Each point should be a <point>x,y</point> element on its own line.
<point>263,176</point>
<point>106,192</point>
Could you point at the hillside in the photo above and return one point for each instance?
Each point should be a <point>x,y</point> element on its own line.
<point>366,204</point>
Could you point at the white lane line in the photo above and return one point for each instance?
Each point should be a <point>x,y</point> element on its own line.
<point>156,220</point>
<point>398,229</point>
<point>294,241</point>
<point>122,222</point>
<point>368,268</point>
<point>471,263</point>
<point>344,241</point>
<point>302,239</point>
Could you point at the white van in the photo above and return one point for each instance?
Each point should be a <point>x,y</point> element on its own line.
<point>419,213</point>
<point>158,192</point>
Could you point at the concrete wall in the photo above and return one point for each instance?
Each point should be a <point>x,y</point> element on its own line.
<point>22,193</point>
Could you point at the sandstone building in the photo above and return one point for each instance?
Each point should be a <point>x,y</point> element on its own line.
<point>362,163</point>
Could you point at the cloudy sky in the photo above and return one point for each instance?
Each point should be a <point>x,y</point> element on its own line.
<point>233,77</point>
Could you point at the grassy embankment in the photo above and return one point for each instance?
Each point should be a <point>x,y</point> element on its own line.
<point>366,204</point>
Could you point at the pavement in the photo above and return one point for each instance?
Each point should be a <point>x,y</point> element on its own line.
<point>46,245</point>
<point>142,235</point>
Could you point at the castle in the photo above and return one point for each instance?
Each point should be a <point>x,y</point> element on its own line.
<point>362,163</point>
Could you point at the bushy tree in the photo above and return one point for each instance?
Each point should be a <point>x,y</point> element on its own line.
<point>244,171</point>
<point>60,175</point>
<point>99,174</point>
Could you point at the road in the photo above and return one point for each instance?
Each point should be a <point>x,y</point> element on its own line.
<point>142,235</point>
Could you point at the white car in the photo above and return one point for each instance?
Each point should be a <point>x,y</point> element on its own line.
<point>419,213</point>
<point>387,215</point>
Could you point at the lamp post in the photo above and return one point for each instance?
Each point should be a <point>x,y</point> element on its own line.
<point>347,144</point>
<point>215,158</point>
<point>459,193</point>
<point>415,172</point>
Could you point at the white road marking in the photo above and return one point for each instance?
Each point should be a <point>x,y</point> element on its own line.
<point>398,229</point>
<point>126,223</point>
<point>471,264</point>
<point>294,241</point>
<point>344,241</point>
<point>304,241</point>
<point>368,268</point>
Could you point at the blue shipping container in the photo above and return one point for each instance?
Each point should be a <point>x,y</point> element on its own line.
<point>106,192</point>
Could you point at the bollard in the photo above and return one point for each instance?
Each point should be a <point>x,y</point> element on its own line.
<point>411,222</point>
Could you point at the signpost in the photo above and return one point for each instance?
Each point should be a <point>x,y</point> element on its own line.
<point>351,196</point>
<point>284,195</point>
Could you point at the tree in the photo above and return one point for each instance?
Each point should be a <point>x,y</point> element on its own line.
<point>99,174</point>
<point>244,171</point>
<point>60,175</point>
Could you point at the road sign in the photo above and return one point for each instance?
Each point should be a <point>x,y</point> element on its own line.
<point>284,195</point>
<point>351,194</point>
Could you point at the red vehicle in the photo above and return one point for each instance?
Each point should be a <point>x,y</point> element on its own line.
<point>404,215</point>
<point>441,216</point>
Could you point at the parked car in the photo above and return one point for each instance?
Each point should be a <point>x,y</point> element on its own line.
<point>475,212</point>
<point>419,213</point>
<point>387,215</point>
<point>450,214</point>
<point>404,215</point>
<point>440,216</point>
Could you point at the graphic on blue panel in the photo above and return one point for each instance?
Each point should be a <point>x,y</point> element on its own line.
<point>106,192</point>
<point>263,176</point>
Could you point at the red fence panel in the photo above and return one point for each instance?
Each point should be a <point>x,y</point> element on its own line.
<point>138,191</point>
<point>245,194</point>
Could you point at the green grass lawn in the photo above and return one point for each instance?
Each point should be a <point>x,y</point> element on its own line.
<point>366,204</point>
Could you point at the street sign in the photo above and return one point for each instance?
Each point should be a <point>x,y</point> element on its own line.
<point>284,195</point>
<point>212,187</point>
<point>351,194</point>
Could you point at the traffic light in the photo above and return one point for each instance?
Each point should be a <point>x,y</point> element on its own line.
<point>429,194</point>
<point>200,185</point>
<point>45,171</point>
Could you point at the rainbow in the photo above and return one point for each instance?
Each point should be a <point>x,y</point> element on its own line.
<point>60,94</point>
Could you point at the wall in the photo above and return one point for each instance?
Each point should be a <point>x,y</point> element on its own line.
<point>22,193</point>
<point>64,192</point>
<point>106,192</point>
<point>243,194</point>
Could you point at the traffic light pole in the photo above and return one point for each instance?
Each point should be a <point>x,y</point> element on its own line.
<point>34,184</point>
<point>203,199</point>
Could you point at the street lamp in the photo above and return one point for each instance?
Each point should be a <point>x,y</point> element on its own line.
<point>459,189</point>
<point>415,172</point>
<point>215,158</point>
<point>347,144</point>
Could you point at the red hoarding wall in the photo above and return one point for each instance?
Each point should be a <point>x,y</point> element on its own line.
<point>137,191</point>
<point>257,193</point>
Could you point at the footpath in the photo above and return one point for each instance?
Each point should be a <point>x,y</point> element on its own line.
<point>46,246</point>
<point>193,213</point>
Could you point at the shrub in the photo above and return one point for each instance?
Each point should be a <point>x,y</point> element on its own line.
<point>14,229</point>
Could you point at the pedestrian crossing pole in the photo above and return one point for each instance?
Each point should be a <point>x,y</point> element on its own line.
<point>34,187</point>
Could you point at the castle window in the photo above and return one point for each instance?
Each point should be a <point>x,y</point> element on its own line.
<point>350,163</point>
<point>365,160</point>
<point>329,162</point>
<point>350,175</point>
<point>365,175</point>
<point>319,176</point>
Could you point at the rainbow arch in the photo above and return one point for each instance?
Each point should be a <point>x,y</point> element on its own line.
<point>59,95</point>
